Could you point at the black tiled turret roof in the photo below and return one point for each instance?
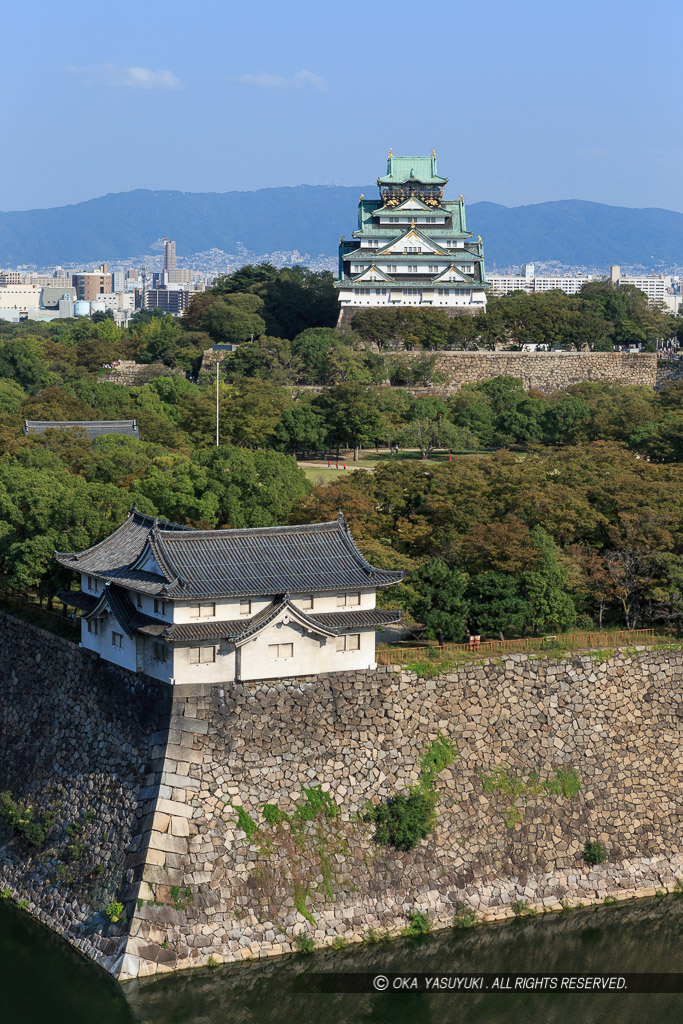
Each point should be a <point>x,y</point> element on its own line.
<point>182,564</point>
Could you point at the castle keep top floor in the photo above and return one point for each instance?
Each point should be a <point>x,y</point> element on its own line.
<point>188,605</point>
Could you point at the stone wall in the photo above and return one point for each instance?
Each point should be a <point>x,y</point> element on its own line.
<point>347,313</point>
<point>544,371</point>
<point>164,777</point>
<point>131,374</point>
<point>76,736</point>
<point>668,371</point>
<point>360,737</point>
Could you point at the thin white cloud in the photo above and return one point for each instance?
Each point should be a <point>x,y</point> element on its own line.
<point>300,80</point>
<point>126,78</point>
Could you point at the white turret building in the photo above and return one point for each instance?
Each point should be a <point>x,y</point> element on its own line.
<point>208,606</point>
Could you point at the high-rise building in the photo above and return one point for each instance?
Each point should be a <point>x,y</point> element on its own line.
<point>91,285</point>
<point>412,247</point>
<point>171,300</point>
<point>169,254</point>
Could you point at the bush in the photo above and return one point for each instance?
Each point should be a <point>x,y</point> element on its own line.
<point>419,923</point>
<point>594,852</point>
<point>114,911</point>
<point>304,943</point>
<point>522,909</point>
<point>22,819</point>
<point>403,821</point>
<point>465,917</point>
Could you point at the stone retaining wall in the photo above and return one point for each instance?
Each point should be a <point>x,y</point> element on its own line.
<point>164,781</point>
<point>544,371</point>
<point>360,736</point>
<point>76,738</point>
<point>131,374</point>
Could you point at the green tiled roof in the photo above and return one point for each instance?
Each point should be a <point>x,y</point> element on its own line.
<point>370,209</point>
<point>411,168</point>
<point>457,256</point>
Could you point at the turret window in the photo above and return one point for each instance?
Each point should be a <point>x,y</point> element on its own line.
<point>159,606</point>
<point>348,600</point>
<point>202,655</point>
<point>117,639</point>
<point>160,652</point>
<point>245,607</point>
<point>202,611</point>
<point>279,652</point>
<point>348,642</point>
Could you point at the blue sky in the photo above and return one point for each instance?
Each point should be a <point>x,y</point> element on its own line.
<point>523,102</point>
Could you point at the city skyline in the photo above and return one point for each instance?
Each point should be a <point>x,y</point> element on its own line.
<point>522,107</point>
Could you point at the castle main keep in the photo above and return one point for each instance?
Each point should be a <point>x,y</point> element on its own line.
<point>411,246</point>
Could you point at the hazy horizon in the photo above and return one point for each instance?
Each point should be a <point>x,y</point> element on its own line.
<point>327,184</point>
<point>523,105</point>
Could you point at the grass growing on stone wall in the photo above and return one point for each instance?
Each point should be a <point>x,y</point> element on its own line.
<point>24,821</point>
<point>297,853</point>
<point>404,820</point>
<point>518,790</point>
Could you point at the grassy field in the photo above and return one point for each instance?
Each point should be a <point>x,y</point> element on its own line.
<point>318,473</point>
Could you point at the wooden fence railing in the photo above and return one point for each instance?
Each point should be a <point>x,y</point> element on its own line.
<point>603,638</point>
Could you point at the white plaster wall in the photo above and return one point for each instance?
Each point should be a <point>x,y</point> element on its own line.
<point>312,654</point>
<point>222,670</point>
<point>147,663</point>
<point>125,656</point>
<point>230,610</point>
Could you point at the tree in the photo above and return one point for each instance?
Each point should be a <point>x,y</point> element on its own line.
<point>253,488</point>
<point>439,602</point>
<point>632,574</point>
<point>302,428</point>
<point>21,361</point>
<point>234,319</point>
<point>350,415</point>
<point>551,609</point>
<point>497,605</point>
<point>429,435</point>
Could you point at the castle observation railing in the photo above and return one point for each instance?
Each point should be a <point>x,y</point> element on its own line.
<point>400,655</point>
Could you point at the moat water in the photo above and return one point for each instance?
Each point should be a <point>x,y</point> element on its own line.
<point>44,981</point>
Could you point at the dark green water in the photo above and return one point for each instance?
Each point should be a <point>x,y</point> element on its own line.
<point>45,982</point>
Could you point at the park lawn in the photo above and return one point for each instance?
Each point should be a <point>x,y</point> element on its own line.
<point>323,475</point>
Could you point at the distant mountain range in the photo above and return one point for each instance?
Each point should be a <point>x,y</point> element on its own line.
<point>310,219</point>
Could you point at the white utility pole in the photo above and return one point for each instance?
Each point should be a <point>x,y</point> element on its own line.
<point>218,367</point>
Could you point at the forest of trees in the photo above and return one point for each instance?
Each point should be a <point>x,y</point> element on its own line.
<point>579,525</point>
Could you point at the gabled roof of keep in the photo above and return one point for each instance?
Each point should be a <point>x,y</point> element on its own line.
<point>313,558</point>
<point>420,169</point>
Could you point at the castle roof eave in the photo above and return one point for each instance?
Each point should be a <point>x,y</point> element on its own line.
<point>212,564</point>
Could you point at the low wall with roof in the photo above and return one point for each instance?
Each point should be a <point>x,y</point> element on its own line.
<point>200,879</point>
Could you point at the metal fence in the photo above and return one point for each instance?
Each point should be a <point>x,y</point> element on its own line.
<point>398,655</point>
